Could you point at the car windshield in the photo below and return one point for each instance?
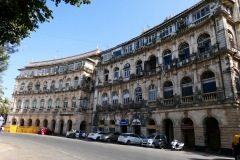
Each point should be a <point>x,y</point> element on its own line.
<point>151,136</point>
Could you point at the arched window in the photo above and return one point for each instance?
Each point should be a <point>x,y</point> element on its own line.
<point>168,90</point>
<point>37,86</point>
<point>152,63</point>
<point>34,104</point>
<point>126,97</point>
<point>152,93</point>
<point>104,99</point>
<point>50,103</point>
<point>116,73</point>
<point>22,87</point>
<point>75,82</point>
<point>139,68</point>
<point>26,104</point>
<point>85,103</point>
<point>126,70</point>
<point>106,75</point>
<point>114,98</point>
<point>42,102</point>
<point>60,85</point>
<point>138,94</point>
<point>30,86</point>
<point>208,82</point>
<point>167,57</point>
<point>74,102</point>
<point>19,104</point>
<point>57,103</point>
<point>52,87</point>
<point>45,86</point>
<point>68,84</point>
<point>204,43</point>
<point>183,52</point>
<point>186,84</point>
<point>65,103</point>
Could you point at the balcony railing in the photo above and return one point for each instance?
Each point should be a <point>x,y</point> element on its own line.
<point>209,97</point>
<point>187,99</point>
<point>168,101</point>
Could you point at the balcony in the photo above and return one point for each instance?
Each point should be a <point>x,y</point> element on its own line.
<point>168,102</point>
<point>207,97</point>
<point>187,99</point>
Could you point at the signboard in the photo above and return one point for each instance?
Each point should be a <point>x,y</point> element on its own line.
<point>123,122</point>
<point>187,126</point>
<point>136,122</point>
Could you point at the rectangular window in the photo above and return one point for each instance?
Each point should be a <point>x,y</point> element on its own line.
<point>116,74</point>
<point>127,72</point>
<point>152,95</point>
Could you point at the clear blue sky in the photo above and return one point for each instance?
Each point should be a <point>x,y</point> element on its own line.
<point>103,23</point>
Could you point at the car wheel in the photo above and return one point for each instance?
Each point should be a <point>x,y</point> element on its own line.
<point>98,138</point>
<point>108,140</point>
<point>153,145</point>
<point>128,142</point>
<point>237,157</point>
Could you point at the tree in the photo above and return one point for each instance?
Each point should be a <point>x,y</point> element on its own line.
<point>20,17</point>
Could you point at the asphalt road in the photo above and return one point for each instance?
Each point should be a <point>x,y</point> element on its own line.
<point>14,146</point>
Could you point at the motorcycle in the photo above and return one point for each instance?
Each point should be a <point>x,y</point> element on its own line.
<point>163,144</point>
<point>176,145</point>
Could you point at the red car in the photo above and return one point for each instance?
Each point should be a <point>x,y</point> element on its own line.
<point>45,131</point>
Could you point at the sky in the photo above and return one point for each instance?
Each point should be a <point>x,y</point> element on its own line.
<point>103,24</point>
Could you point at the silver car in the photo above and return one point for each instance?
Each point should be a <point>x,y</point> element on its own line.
<point>129,138</point>
<point>153,140</point>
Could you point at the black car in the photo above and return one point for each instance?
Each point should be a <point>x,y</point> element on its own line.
<point>110,137</point>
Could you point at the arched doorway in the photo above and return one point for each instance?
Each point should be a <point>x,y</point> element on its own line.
<point>53,125</point>
<point>61,127</point>
<point>21,122</point>
<point>151,127</point>
<point>136,124</point>
<point>83,126</point>
<point>101,125</point>
<point>168,129</point>
<point>111,126</point>
<point>37,123</point>
<point>45,123</point>
<point>212,134</point>
<point>69,125</point>
<point>187,128</point>
<point>14,121</point>
<point>29,122</point>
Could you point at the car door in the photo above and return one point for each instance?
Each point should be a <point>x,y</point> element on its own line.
<point>137,139</point>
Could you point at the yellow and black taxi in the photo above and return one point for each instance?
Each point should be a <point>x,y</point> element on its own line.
<point>236,146</point>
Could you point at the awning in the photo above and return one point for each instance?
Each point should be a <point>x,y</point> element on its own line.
<point>123,122</point>
<point>136,122</point>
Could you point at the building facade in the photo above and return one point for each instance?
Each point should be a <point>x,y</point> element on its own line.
<point>180,78</point>
<point>55,94</point>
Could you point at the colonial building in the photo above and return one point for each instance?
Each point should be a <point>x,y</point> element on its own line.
<point>180,78</point>
<point>55,94</point>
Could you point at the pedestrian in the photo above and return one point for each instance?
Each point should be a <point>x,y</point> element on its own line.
<point>2,128</point>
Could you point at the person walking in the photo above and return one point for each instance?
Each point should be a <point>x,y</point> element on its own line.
<point>2,128</point>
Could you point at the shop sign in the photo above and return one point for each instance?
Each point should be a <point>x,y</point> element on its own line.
<point>136,122</point>
<point>187,126</point>
<point>123,122</point>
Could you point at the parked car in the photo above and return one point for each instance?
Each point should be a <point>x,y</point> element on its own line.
<point>110,137</point>
<point>95,135</point>
<point>129,138</point>
<point>153,140</point>
<point>236,146</point>
<point>45,131</point>
<point>76,134</point>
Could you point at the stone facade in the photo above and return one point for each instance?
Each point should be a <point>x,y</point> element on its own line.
<point>180,78</point>
<point>55,94</point>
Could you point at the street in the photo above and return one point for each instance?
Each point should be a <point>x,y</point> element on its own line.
<point>15,146</point>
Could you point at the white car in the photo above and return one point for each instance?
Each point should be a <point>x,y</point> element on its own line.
<point>129,138</point>
<point>95,135</point>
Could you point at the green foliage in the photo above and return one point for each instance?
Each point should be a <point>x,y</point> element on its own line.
<point>4,106</point>
<point>20,17</point>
